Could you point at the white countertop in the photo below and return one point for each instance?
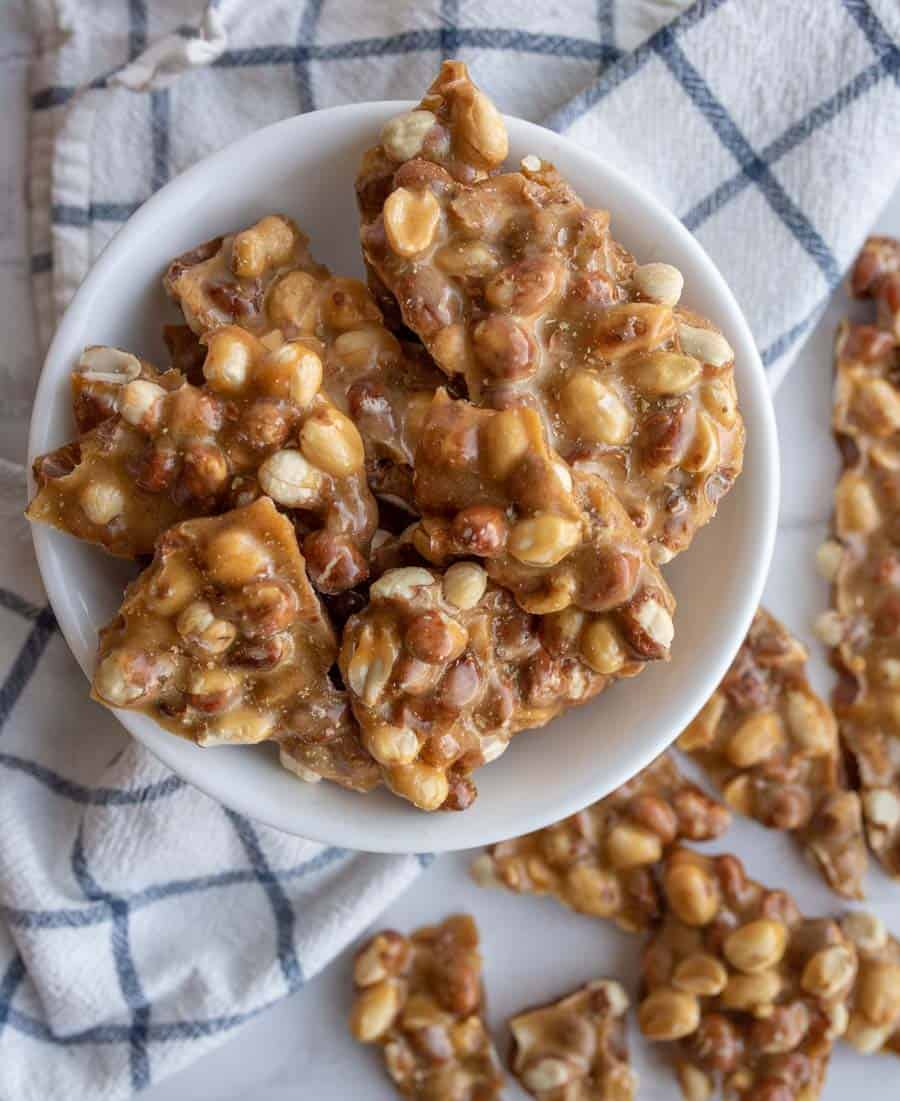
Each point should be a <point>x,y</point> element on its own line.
<point>533,949</point>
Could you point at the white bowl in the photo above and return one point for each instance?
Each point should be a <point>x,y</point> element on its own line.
<point>305,167</point>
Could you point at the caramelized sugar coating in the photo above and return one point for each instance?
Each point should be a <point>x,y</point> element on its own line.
<point>575,1049</point>
<point>601,861</point>
<point>186,353</point>
<point>863,561</point>
<point>488,485</point>
<point>875,1005</point>
<point>511,282</point>
<point>771,744</point>
<point>99,380</point>
<point>420,998</point>
<point>750,992</point>
<point>223,641</point>
<point>443,667</point>
<point>265,280</point>
<point>260,424</point>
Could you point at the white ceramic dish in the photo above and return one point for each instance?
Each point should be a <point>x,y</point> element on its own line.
<point>305,166</point>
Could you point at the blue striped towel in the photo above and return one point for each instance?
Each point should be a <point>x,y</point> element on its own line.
<point>140,923</point>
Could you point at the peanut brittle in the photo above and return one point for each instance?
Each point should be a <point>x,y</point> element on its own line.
<point>600,861</point>
<point>443,667</point>
<point>420,998</point>
<point>863,562</point>
<point>264,280</point>
<point>750,992</point>
<point>771,744</point>
<point>222,640</point>
<point>511,282</point>
<point>875,1007</point>
<point>260,424</point>
<point>487,485</point>
<point>575,1049</point>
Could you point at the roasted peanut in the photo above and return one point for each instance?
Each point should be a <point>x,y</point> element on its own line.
<point>331,442</point>
<point>411,220</point>
<point>268,243</point>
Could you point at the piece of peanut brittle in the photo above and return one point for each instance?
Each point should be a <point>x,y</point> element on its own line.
<point>750,993</point>
<point>601,861</point>
<point>511,282</point>
<point>259,424</point>
<point>264,279</point>
<point>863,560</point>
<point>420,998</point>
<point>575,1048</point>
<point>771,744</point>
<point>443,668</point>
<point>488,485</point>
<point>223,641</point>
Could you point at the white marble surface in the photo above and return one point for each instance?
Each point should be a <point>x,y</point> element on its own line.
<point>533,949</point>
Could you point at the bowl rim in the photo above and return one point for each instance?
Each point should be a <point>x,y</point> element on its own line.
<point>362,833</point>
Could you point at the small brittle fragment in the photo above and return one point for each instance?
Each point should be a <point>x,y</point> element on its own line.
<point>420,998</point>
<point>575,1048</point>
<point>601,861</point>
<point>771,745</point>
<point>751,994</point>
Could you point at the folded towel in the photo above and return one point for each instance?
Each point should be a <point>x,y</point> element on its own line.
<point>140,922</point>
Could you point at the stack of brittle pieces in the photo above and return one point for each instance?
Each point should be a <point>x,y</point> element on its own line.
<point>389,528</point>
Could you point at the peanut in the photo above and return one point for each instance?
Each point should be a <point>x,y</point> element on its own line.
<point>658,283</point>
<point>544,540</point>
<point>411,220</point>
<point>402,137</point>
<point>756,946</point>
<point>331,442</point>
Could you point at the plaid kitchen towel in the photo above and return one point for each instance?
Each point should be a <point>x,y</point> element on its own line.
<point>140,923</point>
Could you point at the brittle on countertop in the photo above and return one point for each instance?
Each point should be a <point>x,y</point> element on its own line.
<point>863,561</point>
<point>443,667</point>
<point>223,641</point>
<point>751,993</point>
<point>511,282</point>
<point>488,485</point>
<point>575,1049</point>
<point>875,1006</point>
<point>420,998</point>
<point>260,424</point>
<point>771,744</point>
<point>600,861</point>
